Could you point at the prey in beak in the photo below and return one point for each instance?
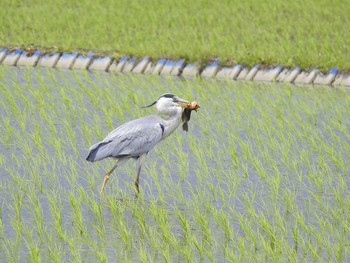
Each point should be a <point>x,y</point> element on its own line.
<point>186,104</point>
<point>186,114</point>
<point>188,108</point>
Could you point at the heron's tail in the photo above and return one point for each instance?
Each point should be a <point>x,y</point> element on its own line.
<point>94,154</point>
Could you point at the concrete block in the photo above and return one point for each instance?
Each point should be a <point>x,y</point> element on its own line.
<point>158,67</point>
<point>129,65</point>
<point>117,66</point>
<point>142,65</point>
<point>100,63</point>
<point>326,79</point>
<point>3,53</point>
<point>155,67</point>
<point>283,74</point>
<point>178,67</point>
<point>12,57</point>
<point>210,70</point>
<point>306,77</point>
<point>49,60</point>
<point>288,75</point>
<point>191,70</point>
<point>223,73</point>
<point>148,68</point>
<point>168,66</point>
<point>29,58</point>
<point>292,76</point>
<point>339,79</point>
<point>267,74</point>
<point>67,60</point>
<point>82,62</point>
<point>251,74</point>
<point>229,72</point>
<point>346,81</point>
<point>243,74</point>
<point>235,71</point>
<point>342,80</point>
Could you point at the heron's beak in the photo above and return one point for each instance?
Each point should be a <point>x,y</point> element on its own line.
<point>183,103</point>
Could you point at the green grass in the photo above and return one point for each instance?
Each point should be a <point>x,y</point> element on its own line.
<point>261,175</point>
<point>297,33</point>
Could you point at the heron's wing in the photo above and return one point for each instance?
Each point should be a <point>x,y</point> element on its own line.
<point>130,139</point>
<point>139,140</point>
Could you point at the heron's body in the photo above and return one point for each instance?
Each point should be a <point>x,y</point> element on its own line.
<point>133,138</point>
<point>136,138</point>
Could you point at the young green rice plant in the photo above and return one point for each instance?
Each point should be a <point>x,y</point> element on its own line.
<point>12,246</point>
<point>9,251</point>
<point>37,214</point>
<point>126,237</point>
<point>57,214</point>
<point>55,253</point>
<point>77,217</point>
<point>245,181</point>
<point>186,249</point>
<point>33,248</point>
<point>16,221</point>
<point>222,219</point>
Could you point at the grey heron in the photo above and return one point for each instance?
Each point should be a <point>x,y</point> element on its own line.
<point>134,139</point>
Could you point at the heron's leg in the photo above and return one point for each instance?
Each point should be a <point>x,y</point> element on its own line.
<point>105,179</point>
<point>140,161</point>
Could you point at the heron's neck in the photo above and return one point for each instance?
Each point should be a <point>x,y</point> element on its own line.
<point>172,122</point>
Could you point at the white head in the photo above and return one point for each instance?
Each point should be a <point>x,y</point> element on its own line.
<point>170,104</point>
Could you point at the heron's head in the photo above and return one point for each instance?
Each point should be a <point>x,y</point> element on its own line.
<point>169,104</point>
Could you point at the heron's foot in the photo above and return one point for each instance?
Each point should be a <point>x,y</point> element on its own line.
<point>105,179</point>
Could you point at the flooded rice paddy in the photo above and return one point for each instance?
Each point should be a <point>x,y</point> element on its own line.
<point>262,174</point>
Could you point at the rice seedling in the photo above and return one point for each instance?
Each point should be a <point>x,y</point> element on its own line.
<point>260,176</point>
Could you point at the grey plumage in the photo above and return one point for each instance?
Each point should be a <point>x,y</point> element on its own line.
<point>129,140</point>
<point>136,138</point>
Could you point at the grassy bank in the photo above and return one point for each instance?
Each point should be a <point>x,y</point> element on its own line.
<point>297,33</point>
<point>261,175</point>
